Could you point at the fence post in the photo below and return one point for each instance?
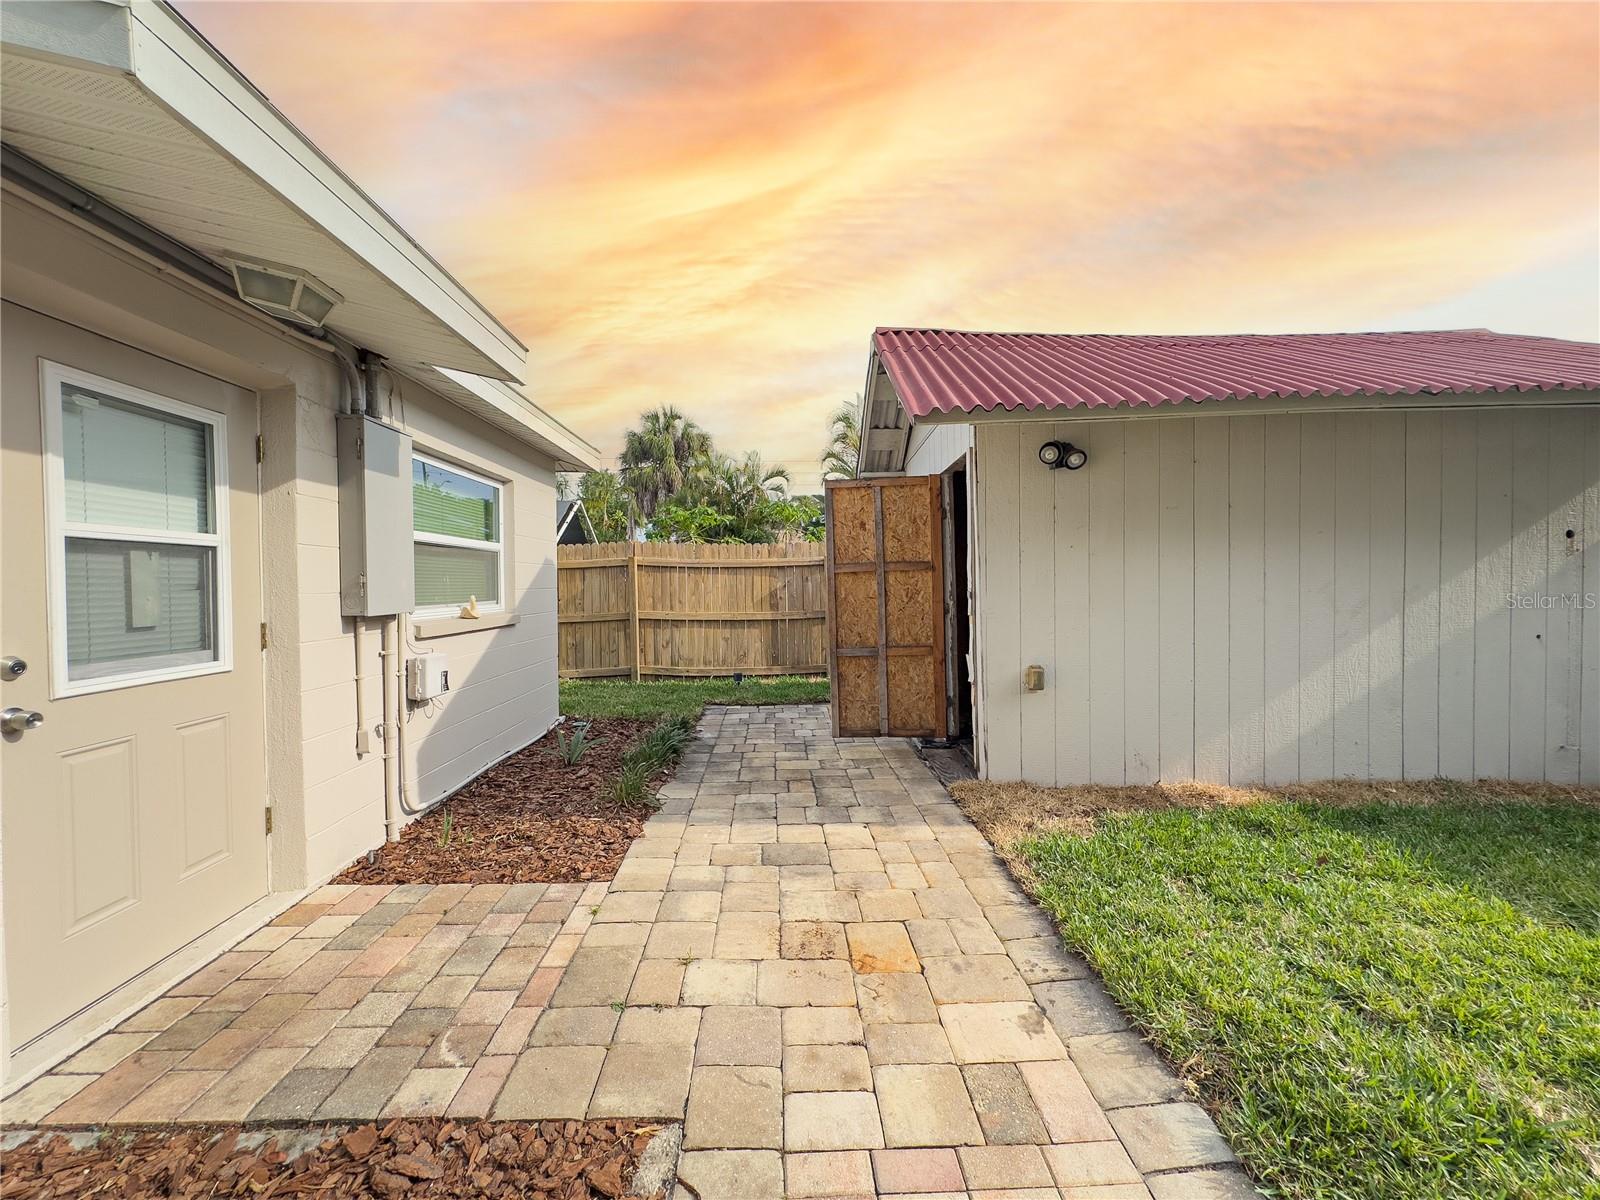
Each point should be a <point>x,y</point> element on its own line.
<point>633,607</point>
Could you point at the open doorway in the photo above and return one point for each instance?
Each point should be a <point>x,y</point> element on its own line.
<point>958,612</point>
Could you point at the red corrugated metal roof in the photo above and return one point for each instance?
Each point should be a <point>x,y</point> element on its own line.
<point>936,370</point>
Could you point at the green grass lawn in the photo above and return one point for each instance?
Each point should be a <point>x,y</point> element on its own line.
<point>683,697</point>
<point>1377,1001</point>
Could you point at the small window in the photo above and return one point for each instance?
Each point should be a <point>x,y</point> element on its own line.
<point>138,555</point>
<point>457,519</point>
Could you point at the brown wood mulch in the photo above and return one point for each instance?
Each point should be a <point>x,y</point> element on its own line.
<point>541,1160</point>
<point>1007,812</point>
<point>530,819</point>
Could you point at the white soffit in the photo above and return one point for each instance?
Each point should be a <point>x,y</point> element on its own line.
<point>129,103</point>
<point>885,427</point>
<point>505,407</point>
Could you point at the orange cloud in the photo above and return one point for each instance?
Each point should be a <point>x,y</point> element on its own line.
<point>713,205</point>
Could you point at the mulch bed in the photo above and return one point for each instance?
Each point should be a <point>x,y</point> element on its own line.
<point>541,1160</point>
<point>531,819</point>
<point>1005,812</point>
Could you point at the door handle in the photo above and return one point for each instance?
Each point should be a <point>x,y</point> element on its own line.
<point>19,720</point>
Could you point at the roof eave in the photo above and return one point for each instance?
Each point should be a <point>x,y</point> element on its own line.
<point>158,52</point>
<point>520,416</point>
<point>885,424</point>
<point>181,69</point>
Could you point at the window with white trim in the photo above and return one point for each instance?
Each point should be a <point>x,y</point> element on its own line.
<point>457,522</point>
<point>138,559</point>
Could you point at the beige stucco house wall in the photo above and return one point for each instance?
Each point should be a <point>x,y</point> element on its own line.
<point>135,817</point>
<point>503,678</point>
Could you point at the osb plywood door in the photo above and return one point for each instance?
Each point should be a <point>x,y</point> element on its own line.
<point>885,607</point>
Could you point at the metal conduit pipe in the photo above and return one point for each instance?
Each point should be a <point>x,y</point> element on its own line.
<point>352,385</point>
<point>376,407</point>
<point>402,623</point>
<point>363,738</point>
<point>40,180</point>
<point>393,708</point>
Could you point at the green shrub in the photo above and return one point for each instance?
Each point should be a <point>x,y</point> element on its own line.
<point>631,785</point>
<point>657,750</point>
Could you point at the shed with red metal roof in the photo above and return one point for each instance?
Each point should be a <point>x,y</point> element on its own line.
<point>1258,558</point>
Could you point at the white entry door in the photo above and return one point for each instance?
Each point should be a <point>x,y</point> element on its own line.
<point>134,806</point>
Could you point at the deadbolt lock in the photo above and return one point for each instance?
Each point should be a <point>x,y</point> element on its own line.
<point>11,667</point>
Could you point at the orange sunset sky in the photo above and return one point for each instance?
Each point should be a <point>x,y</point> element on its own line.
<point>713,205</point>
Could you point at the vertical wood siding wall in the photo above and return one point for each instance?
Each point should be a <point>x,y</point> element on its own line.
<point>932,448</point>
<point>655,608</point>
<point>1280,598</point>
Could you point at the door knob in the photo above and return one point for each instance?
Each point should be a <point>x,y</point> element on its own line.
<point>19,720</point>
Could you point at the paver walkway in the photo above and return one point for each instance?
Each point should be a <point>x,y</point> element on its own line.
<point>811,958</point>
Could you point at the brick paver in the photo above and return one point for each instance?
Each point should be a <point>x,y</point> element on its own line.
<point>810,957</point>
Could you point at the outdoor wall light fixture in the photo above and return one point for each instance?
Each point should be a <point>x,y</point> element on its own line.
<point>1056,455</point>
<point>286,292</point>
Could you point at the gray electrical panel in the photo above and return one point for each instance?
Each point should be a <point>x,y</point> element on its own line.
<point>375,570</point>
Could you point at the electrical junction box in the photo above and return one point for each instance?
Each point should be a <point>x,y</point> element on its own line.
<point>376,575</point>
<point>427,676</point>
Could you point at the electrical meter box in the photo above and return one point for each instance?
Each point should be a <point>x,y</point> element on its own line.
<point>376,577</point>
<point>427,676</point>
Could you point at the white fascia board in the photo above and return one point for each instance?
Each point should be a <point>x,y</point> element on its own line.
<point>180,70</point>
<point>1273,406</point>
<point>864,408</point>
<point>569,450</point>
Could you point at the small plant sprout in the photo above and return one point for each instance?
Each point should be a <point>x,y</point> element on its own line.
<point>617,1006</point>
<point>571,748</point>
<point>446,825</point>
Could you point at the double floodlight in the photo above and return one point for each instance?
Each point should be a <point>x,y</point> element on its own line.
<point>1057,455</point>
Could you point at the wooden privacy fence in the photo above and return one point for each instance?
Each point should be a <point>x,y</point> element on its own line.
<point>657,608</point>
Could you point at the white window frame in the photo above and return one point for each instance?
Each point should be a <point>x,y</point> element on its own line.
<point>502,490</point>
<point>53,379</point>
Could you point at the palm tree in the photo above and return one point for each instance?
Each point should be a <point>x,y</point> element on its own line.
<point>844,442</point>
<point>608,504</point>
<point>661,456</point>
<point>737,485</point>
<point>770,479</point>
